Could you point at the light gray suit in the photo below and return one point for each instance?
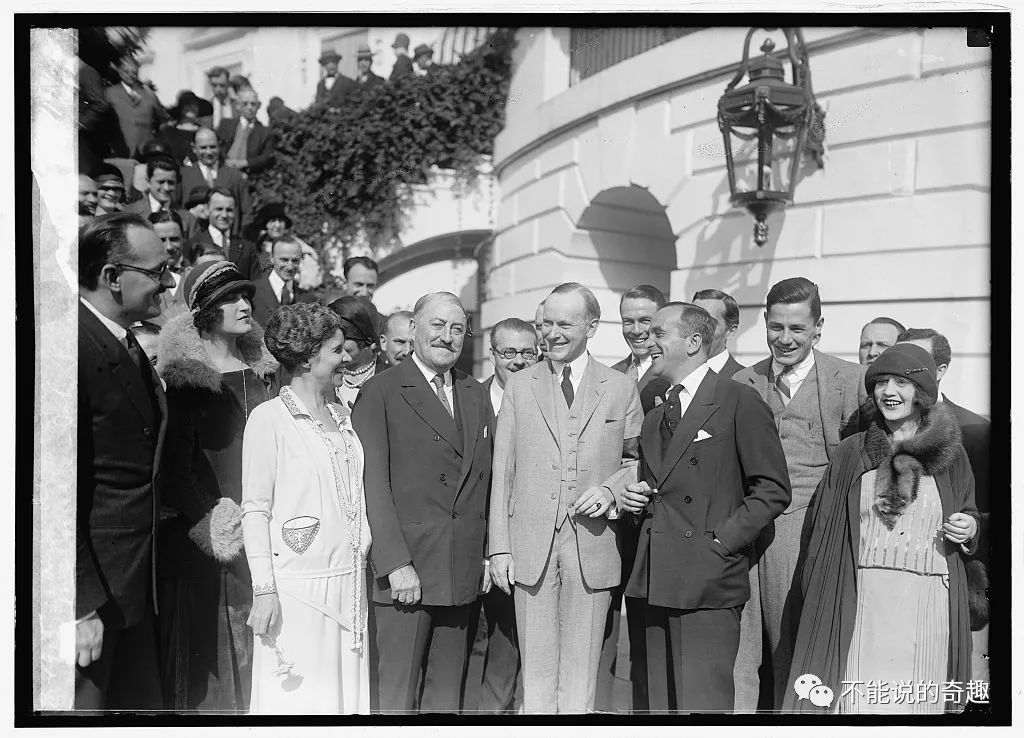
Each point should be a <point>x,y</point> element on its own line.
<point>545,456</point>
<point>840,397</point>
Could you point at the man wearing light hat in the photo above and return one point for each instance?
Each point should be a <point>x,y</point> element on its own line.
<point>364,61</point>
<point>334,86</point>
<point>423,55</point>
<point>403,64</point>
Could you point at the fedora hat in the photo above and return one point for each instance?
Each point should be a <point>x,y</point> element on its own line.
<point>329,56</point>
<point>364,52</point>
<point>422,49</point>
<point>187,97</point>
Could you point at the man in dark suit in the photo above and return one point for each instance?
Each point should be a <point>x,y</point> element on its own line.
<point>222,103</point>
<point>726,312</point>
<point>365,77</point>
<point>210,171</point>
<point>333,87</point>
<point>248,144</point>
<point>425,430</point>
<point>221,205</point>
<point>423,55</point>
<point>816,399</point>
<point>636,309</point>
<point>122,271</point>
<point>975,434</point>
<point>279,287</point>
<point>403,64</point>
<point>161,184</point>
<point>139,112</point>
<point>714,469</point>
<point>513,347</point>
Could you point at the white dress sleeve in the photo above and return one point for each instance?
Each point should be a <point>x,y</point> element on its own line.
<point>259,474</point>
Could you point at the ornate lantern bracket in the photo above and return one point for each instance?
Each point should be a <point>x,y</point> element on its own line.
<point>774,124</point>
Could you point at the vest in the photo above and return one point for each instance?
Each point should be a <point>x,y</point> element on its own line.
<point>803,439</point>
<point>568,434</point>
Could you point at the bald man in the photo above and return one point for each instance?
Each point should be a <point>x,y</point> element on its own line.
<point>248,144</point>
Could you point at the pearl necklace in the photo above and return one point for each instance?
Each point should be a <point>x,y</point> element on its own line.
<point>359,375</point>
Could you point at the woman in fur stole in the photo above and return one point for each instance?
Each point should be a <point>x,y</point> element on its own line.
<point>885,596</point>
<point>217,371</point>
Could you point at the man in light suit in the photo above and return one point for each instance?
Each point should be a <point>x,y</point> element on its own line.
<point>565,448</point>
<point>816,400</point>
<point>122,271</point>
<point>424,428</point>
<point>138,110</point>
<point>513,348</point>
<point>636,308</point>
<point>714,468</point>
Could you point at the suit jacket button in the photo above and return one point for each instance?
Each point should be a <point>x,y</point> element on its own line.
<point>657,497</point>
<point>146,432</point>
<point>688,533</point>
<point>437,438</point>
<point>687,499</point>
<point>648,531</point>
<point>454,515</point>
<point>481,475</point>
<point>693,461</point>
<point>443,477</point>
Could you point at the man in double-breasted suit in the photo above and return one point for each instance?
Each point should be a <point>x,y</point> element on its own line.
<point>122,271</point>
<point>565,447</point>
<point>248,144</point>
<point>817,401</point>
<point>424,428</point>
<point>716,475</point>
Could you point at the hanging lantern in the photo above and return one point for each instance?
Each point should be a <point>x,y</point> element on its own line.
<point>767,126</point>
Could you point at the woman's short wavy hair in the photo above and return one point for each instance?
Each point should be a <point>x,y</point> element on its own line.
<point>295,333</point>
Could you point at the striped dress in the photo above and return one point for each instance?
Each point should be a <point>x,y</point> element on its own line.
<point>898,656</point>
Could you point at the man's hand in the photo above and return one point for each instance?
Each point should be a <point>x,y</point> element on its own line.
<point>88,640</point>
<point>960,528</point>
<point>265,614</point>
<point>503,572</point>
<point>594,502</point>
<point>405,585</point>
<point>486,582</point>
<point>634,498</point>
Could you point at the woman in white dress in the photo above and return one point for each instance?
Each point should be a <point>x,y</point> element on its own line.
<point>304,527</point>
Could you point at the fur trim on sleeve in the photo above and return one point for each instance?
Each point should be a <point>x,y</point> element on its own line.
<point>219,533</point>
<point>977,595</point>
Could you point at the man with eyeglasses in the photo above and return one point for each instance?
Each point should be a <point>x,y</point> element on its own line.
<point>122,273</point>
<point>249,145</point>
<point>513,348</point>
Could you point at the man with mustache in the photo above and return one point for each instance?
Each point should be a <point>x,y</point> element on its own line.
<point>565,447</point>
<point>816,399</point>
<point>396,340</point>
<point>424,426</point>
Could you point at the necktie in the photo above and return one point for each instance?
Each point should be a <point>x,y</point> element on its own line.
<point>438,381</point>
<point>634,371</point>
<point>286,295</point>
<point>567,385</point>
<point>237,150</point>
<point>211,177</point>
<point>673,413</point>
<point>782,386</point>
<point>135,351</point>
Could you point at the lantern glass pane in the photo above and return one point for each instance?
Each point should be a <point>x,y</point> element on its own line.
<point>744,153</point>
<point>783,150</point>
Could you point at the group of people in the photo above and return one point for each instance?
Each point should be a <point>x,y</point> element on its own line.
<point>300,508</point>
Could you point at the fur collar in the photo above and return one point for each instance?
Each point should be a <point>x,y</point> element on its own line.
<point>183,361</point>
<point>931,451</point>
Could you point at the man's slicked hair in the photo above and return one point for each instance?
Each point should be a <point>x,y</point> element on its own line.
<point>104,240</point>
<point>516,325</point>
<point>217,72</point>
<point>793,291</point>
<point>695,319</point>
<point>423,302</point>
<point>886,321</point>
<point>644,292</point>
<point>941,351</point>
<point>396,316</point>
<point>364,261</point>
<point>165,163</point>
<point>732,310</point>
<point>591,306</point>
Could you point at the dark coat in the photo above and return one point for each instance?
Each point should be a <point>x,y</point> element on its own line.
<point>827,575</point>
<point>139,121</point>
<point>731,367</point>
<point>230,179</point>
<point>264,301</point>
<point>339,90</point>
<point>649,385</point>
<point>121,429</point>
<point>260,148</point>
<point>402,68</point>
<point>728,486</point>
<point>99,133</point>
<point>241,252</point>
<point>426,487</point>
<point>372,81</point>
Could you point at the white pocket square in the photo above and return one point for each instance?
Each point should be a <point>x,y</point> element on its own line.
<point>702,435</point>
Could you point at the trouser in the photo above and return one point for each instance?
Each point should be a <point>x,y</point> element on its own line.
<point>629,536</point>
<point>501,659</point>
<point>414,642</point>
<point>690,658</point>
<point>126,676</point>
<point>780,601</point>
<point>748,657</point>
<point>560,622</point>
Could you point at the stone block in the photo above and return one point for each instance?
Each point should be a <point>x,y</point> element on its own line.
<point>946,49</point>
<point>870,169</point>
<point>616,133</point>
<point>888,54</point>
<point>539,197</point>
<point>954,159</point>
<point>515,242</point>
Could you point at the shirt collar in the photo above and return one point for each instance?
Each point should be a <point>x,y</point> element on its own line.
<point>120,333</point>
<point>154,205</point>
<point>204,169</point>
<point>276,282</point>
<point>429,375</point>
<point>217,236</point>
<point>577,365</point>
<point>692,380</point>
<point>939,398</point>
<point>799,371</point>
<point>717,362</point>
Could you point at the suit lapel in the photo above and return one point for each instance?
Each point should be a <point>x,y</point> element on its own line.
<point>122,367</point>
<point>650,440</point>
<point>592,388</point>
<point>759,379</point>
<point>469,412</point>
<point>702,407</point>
<point>424,402</point>
<point>545,398</point>
<point>830,399</point>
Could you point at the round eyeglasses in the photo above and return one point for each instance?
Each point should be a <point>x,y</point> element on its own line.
<point>510,353</point>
